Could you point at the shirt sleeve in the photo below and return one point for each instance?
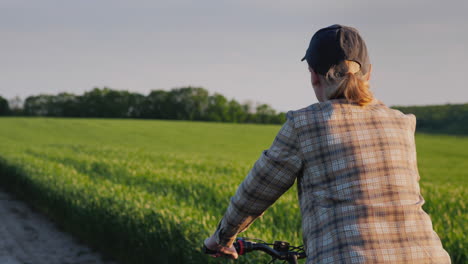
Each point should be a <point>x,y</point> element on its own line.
<point>272,175</point>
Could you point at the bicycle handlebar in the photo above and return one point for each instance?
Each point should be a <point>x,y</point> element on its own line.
<point>281,250</point>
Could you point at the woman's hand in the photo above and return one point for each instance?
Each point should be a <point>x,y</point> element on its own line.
<point>229,252</point>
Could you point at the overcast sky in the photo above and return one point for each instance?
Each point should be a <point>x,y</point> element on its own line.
<point>243,49</point>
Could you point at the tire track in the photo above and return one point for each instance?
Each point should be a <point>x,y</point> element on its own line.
<point>27,237</point>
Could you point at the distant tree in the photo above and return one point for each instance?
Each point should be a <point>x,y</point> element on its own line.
<point>155,105</point>
<point>92,103</point>
<point>187,103</point>
<point>136,105</point>
<point>65,104</point>
<point>38,105</point>
<point>249,110</point>
<point>16,106</point>
<point>279,118</point>
<point>236,112</point>
<point>109,103</point>
<point>449,118</point>
<point>4,107</point>
<point>264,114</point>
<point>218,108</point>
<point>200,103</point>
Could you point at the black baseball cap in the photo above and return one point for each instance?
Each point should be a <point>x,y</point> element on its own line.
<point>331,45</point>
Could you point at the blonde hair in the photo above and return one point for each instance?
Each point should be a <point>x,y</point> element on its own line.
<point>345,80</point>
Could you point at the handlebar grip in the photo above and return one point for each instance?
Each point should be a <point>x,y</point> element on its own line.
<point>240,246</point>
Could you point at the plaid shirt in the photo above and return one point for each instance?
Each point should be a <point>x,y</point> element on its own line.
<point>357,182</point>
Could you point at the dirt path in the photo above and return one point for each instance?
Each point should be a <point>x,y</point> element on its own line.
<point>27,237</point>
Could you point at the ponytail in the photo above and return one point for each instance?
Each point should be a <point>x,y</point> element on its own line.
<point>353,86</point>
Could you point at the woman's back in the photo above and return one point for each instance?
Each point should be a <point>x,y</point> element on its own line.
<point>359,190</point>
<point>354,160</point>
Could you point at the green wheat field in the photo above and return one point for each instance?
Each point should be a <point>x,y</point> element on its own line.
<point>147,191</point>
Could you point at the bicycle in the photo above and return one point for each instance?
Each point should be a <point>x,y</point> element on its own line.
<point>281,250</point>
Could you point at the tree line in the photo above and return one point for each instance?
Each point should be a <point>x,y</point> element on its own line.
<point>443,119</point>
<point>186,103</point>
<point>196,103</point>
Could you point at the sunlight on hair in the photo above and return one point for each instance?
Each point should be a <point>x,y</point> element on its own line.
<point>353,66</point>
<point>353,86</point>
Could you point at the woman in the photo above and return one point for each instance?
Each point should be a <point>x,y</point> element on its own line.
<point>355,164</point>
